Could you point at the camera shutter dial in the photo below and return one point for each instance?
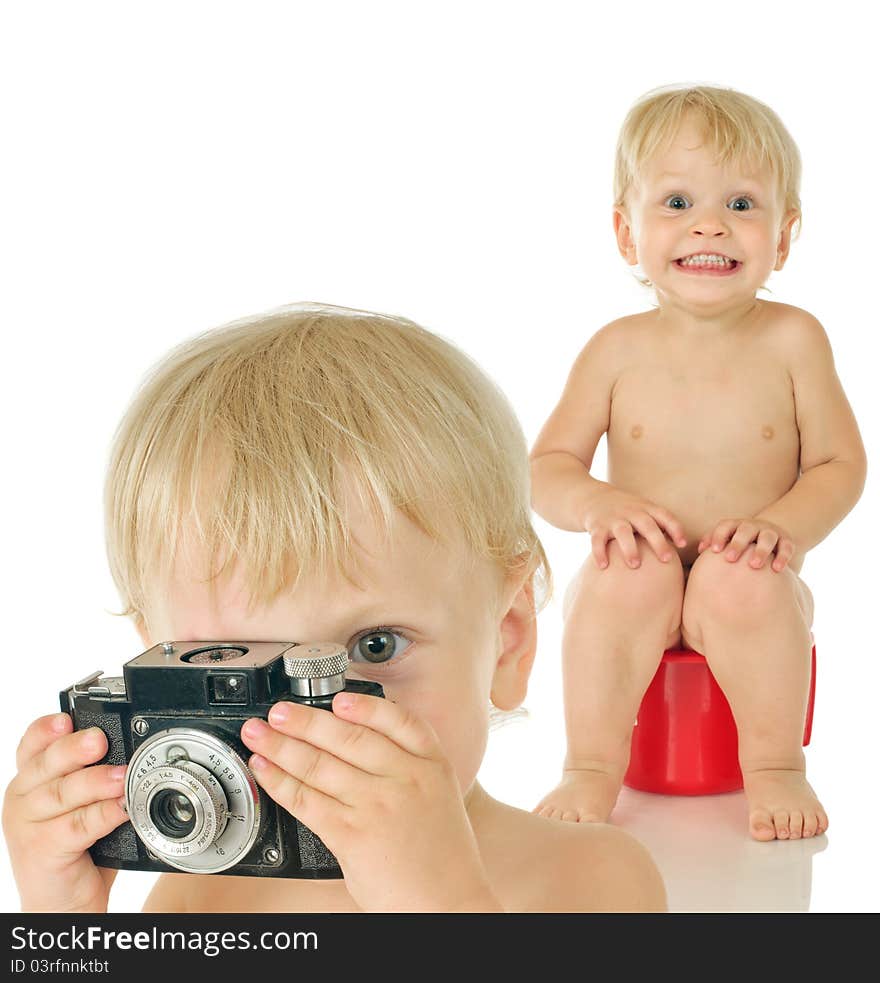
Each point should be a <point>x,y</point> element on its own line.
<point>316,669</point>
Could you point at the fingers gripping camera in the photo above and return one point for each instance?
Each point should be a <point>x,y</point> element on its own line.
<point>174,717</point>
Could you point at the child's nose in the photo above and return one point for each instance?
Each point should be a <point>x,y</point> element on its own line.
<point>709,223</point>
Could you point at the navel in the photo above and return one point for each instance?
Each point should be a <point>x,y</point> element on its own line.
<point>767,432</point>
<point>636,431</point>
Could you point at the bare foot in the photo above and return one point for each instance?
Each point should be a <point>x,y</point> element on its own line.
<point>583,796</point>
<point>782,805</point>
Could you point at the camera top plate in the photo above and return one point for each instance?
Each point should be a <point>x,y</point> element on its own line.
<point>204,654</point>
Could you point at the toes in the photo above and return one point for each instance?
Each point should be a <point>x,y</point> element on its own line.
<point>780,821</point>
<point>785,825</point>
<point>591,817</point>
<point>569,816</point>
<point>815,824</point>
<point>762,825</point>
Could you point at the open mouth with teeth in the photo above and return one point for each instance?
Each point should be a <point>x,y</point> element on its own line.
<point>712,263</point>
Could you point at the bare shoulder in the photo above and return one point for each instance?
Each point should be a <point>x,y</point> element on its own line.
<point>797,333</point>
<point>571,866</point>
<point>600,868</point>
<point>607,353</point>
<point>778,313</point>
<point>614,339</point>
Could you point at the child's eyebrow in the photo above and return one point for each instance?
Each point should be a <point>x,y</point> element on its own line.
<point>409,612</point>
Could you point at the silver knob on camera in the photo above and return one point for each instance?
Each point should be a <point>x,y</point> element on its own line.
<point>316,669</point>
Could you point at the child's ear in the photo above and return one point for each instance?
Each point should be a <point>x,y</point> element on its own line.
<point>519,642</point>
<point>622,231</point>
<point>784,244</point>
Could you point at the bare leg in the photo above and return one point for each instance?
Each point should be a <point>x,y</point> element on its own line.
<point>618,621</point>
<point>753,626</point>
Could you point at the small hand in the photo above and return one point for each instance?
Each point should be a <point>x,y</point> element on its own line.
<point>620,516</point>
<point>740,533</point>
<point>371,780</point>
<point>57,806</point>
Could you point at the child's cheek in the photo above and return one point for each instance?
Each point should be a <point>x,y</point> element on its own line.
<point>454,700</point>
<point>465,753</point>
<point>461,723</point>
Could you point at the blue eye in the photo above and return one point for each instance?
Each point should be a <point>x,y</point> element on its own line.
<point>677,202</point>
<point>377,646</point>
<point>742,200</point>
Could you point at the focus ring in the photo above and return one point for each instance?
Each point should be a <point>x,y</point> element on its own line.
<point>206,780</point>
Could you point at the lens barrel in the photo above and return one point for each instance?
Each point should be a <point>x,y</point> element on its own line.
<point>192,800</point>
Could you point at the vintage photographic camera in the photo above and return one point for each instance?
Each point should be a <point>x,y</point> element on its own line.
<point>174,718</point>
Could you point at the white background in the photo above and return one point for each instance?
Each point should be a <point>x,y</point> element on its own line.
<point>171,166</point>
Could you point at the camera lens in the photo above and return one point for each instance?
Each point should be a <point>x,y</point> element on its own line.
<point>192,800</point>
<point>173,814</point>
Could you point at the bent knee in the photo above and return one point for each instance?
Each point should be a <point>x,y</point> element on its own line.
<point>651,586</point>
<point>736,592</point>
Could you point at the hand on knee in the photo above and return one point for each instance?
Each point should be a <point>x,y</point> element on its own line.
<point>636,591</point>
<point>735,593</point>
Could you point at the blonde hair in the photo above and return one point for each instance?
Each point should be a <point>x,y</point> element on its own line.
<point>735,126</point>
<point>252,428</point>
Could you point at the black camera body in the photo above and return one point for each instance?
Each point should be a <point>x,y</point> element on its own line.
<point>174,718</point>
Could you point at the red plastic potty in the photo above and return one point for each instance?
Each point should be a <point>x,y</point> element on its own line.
<point>685,740</point>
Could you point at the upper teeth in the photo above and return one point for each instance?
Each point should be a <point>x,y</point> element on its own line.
<point>702,258</point>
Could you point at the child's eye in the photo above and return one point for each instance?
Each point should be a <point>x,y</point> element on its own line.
<point>742,204</point>
<point>379,645</point>
<point>677,202</point>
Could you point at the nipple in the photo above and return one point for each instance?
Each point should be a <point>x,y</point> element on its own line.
<point>636,431</point>
<point>767,432</point>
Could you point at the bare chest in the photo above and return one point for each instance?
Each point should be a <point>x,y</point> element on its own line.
<point>670,416</point>
<point>516,889</point>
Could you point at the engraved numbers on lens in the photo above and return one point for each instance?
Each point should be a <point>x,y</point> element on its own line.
<point>192,800</point>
